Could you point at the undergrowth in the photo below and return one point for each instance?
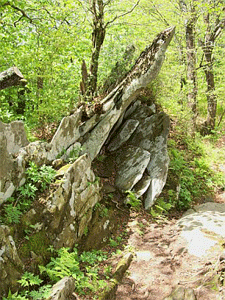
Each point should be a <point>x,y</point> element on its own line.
<point>192,176</point>
<point>37,179</point>
<point>83,267</point>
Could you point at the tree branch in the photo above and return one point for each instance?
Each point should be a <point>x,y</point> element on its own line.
<point>221,118</point>
<point>122,15</point>
<point>24,14</point>
<point>107,3</point>
<point>215,34</point>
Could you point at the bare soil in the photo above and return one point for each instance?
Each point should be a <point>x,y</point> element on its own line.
<point>162,261</point>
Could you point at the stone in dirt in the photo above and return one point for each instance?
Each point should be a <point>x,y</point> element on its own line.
<point>63,289</point>
<point>182,293</point>
<point>203,228</point>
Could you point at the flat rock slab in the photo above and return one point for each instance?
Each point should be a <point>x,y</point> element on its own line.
<point>204,228</point>
<point>123,135</point>
<point>132,162</point>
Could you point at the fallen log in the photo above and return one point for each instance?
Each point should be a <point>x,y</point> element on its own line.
<point>11,77</point>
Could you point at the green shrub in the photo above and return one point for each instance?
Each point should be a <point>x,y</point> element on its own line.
<point>133,201</point>
<point>22,199</point>
<point>83,268</point>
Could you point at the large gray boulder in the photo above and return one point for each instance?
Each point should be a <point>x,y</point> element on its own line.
<point>203,229</point>
<point>116,103</point>
<point>149,136</point>
<point>92,134</point>
<point>69,207</point>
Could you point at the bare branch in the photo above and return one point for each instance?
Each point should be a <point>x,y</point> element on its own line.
<point>107,3</point>
<point>221,118</point>
<point>122,15</point>
<point>100,6</point>
<point>94,8</point>
<point>86,9</point>
<point>24,15</point>
<point>215,34</point>
<point>161,16</point>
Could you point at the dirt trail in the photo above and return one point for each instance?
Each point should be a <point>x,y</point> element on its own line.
<point>163,261</point>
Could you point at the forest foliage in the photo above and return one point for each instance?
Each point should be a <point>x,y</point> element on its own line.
<point>49,39</point>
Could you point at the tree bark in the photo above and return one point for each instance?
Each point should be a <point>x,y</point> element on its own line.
<point>208,47</point>
<point>11,77</point>
<point>98,36</point>
<point>191,65</point>
<point>191,74</point>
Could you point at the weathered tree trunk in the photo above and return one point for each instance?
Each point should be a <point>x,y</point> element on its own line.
<point>11,77</point>
<point>211,97</point>
<point>190,23</point>
<point>191,65</point>
<point>98,36</point>
<point>208,47</point>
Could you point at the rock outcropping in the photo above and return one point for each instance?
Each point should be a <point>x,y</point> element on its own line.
<point>132,132</point>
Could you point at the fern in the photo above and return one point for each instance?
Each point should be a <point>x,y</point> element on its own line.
<point>12,214</point>
<point>15,296</point>
<point>42,293</point>
<point>69,264</point>
<point>29,279</point>
<point>28,190</point>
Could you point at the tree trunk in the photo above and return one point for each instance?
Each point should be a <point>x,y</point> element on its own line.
<point>211,97</point>
<point>93,75</point>
<point>191,74</point>
<point>11,77</point>
<point>98,36</point>
<point>208,47</point>
<point>191,65</point>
